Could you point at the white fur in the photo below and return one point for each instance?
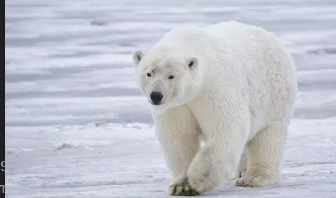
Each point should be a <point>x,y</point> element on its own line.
<point>239,96</point>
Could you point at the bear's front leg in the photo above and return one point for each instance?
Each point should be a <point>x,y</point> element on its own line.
<point>177,132</point>
<point>225,130</point>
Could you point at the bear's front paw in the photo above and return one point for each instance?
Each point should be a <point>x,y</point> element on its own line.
<point>182,189</point>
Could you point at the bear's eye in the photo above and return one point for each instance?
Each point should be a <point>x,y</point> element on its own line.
<point>171,77</point>
<point>191,63</point>
<point>149,75</point>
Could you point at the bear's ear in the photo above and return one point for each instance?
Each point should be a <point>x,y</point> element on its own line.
<point>137,56</point>
<point>192,62</point>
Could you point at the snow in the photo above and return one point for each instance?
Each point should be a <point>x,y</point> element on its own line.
<point>116,160</point>
<point>77,125</point>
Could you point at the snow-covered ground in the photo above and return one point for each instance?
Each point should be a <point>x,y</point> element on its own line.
<point>77,126</point>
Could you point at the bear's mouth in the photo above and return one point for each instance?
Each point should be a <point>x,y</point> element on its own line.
<point>156,103</point>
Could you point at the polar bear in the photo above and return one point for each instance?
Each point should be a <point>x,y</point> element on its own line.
<point>230,86</point>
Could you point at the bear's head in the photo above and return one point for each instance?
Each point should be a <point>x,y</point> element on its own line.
<point>167,78</point>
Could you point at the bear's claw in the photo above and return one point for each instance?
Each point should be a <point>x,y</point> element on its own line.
<point>254,181</point>
<point>182,189</point>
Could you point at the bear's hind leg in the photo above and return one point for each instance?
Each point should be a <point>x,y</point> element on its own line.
<point>264,153</point>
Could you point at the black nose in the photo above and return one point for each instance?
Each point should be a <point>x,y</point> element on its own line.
<point>156,97</point>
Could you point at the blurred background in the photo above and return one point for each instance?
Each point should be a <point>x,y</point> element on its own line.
<point>77,125</point>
